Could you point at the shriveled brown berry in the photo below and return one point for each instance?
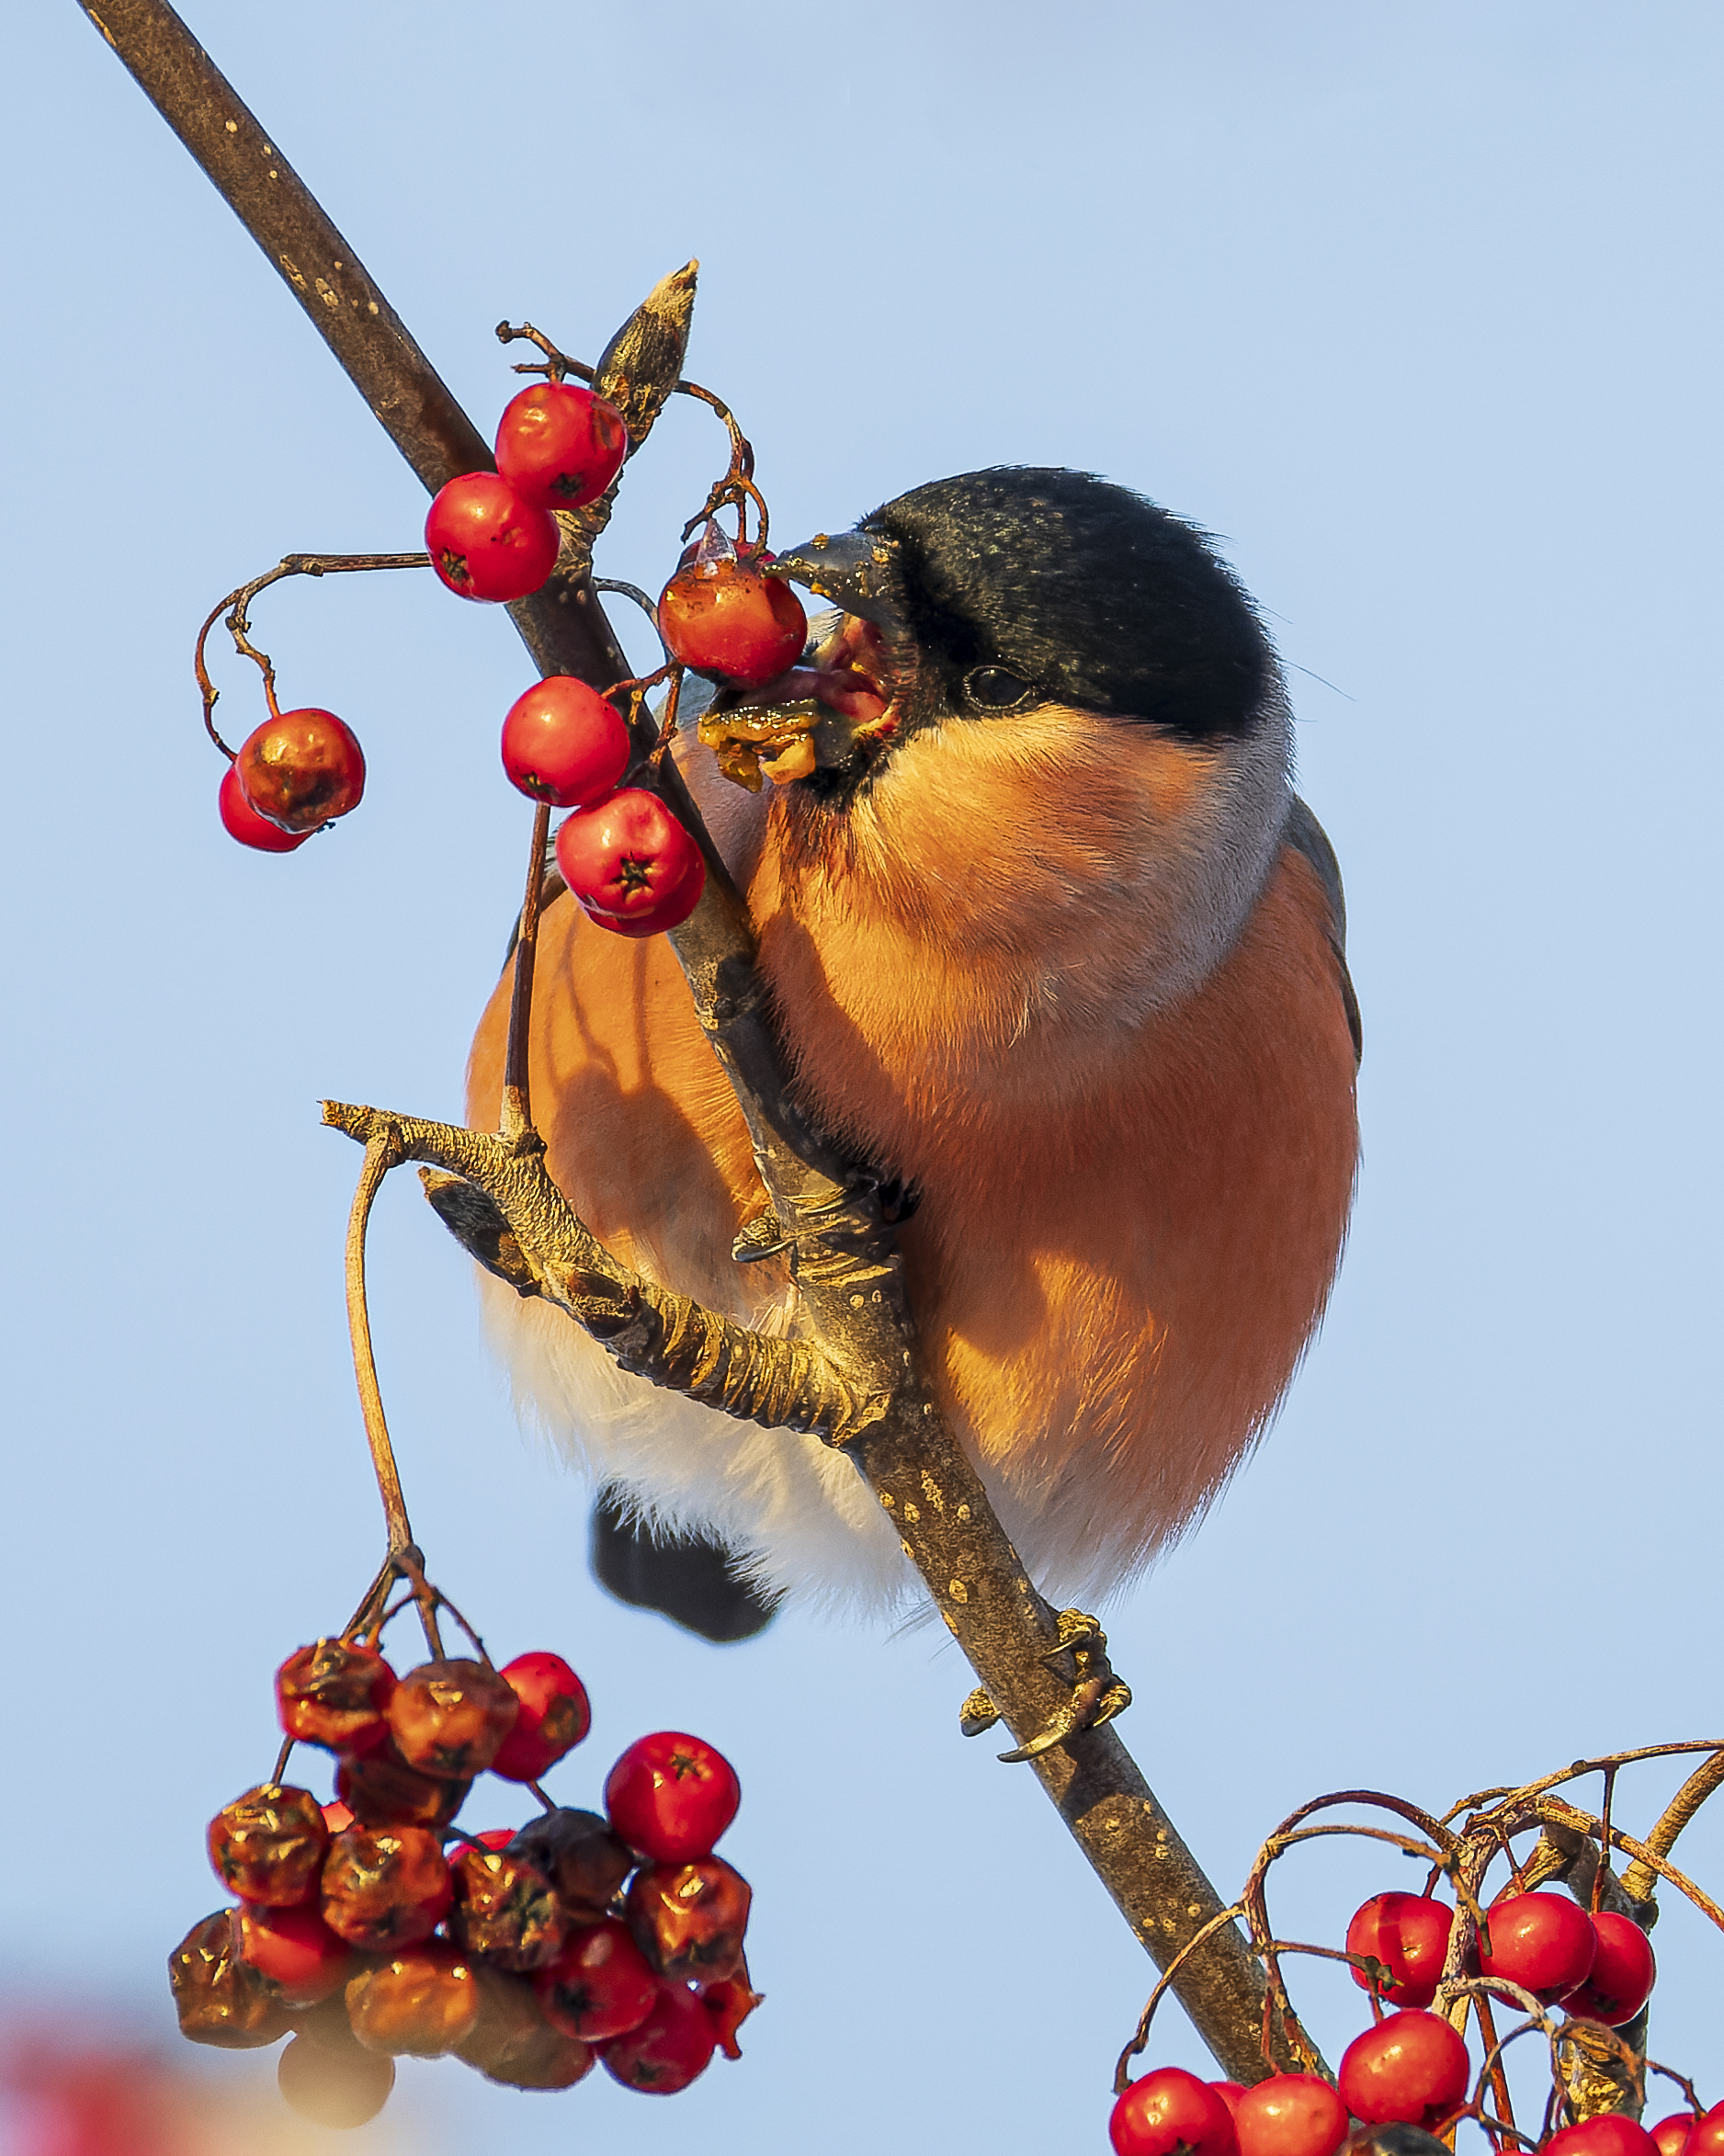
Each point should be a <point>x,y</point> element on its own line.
<point>450,1717</point>
<point>421,2002</point>
<point>381,1790</point>
<point>385,1886</point>
<point>269,1845</point>
<point>513,2043</point>
<point>330,2087</point>
<point>336,1693</point>
<point>688,1919</point>
<point>300,767</point>
<point>730,2000</point>
<point>506,1908</point>
<point>587,1863</point>
<point>218,1997</point>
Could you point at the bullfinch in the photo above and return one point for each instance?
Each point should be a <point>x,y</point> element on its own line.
<point>1051,943</point>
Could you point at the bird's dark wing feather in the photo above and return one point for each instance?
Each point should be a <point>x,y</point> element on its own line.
<point>1307,836</point>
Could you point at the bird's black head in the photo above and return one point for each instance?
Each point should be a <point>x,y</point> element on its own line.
<point>996,593</point>
<point>1023,585</point>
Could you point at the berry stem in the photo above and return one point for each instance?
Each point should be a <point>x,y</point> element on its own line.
<point>1639,1879</point>
<point>517,1121</point>
<point>381,1155</point>
<point>236,607</point>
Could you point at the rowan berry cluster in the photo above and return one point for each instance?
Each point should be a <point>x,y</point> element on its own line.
<point>371,1927</point>
<point>633,866</point>
<point>1412,2067</point>
<point>1580,1972</point>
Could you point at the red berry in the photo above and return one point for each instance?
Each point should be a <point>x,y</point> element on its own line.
<point>671,2047</point>
<point>1545,1943</point>
<point>296,1950</point>
<point>1707,2136</point>
<point>450,1717</point>
<point>1411,2068</point>
<point>628,856</point>
<point>554,1715</point>
<point>599,1985</point>
<point>564,743</point>
<point>1671,2133</point>
<point>334,2088</point>
<point>1229,2092</point>
<point>385,1886</point>
<point>1607,2135</point>
<point>485,542</point>
<point>1170,2110</point>
<point>1623,1973</point>
<point>1408,1934</point>
<point>670,912</point>
<point>671,1797</point>
<point>337,1817</point>
<point>301,769</point>
<point>719,615</point>
<point>241,821</point>
<point>560,445</point>
<point>336,1693</point>
<point>1290,2115</point>
<point>269,1845</point>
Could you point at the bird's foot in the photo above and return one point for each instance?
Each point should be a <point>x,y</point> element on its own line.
<point>978,1713</point>
<point>1097,1695</point>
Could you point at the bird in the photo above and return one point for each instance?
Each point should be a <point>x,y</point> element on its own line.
<point>1050,941</point>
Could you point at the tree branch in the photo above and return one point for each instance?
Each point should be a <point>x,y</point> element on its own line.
<point>866,1386</point>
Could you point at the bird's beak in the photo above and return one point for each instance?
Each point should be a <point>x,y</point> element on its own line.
<point>833,714</point>
<point>856,571</point>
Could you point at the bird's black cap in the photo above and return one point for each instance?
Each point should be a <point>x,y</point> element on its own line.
<point>1083,589</point>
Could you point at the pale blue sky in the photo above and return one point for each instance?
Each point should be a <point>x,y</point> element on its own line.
<point>1417,306</point>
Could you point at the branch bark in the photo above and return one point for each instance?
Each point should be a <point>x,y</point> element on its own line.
<point>861,1386</point>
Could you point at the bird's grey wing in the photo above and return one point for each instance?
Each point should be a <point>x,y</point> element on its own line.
<point>1307,836</point>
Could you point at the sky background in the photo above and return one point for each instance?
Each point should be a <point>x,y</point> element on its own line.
<point>1416,305</point>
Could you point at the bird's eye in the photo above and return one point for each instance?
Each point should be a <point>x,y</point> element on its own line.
<point>995,688</point>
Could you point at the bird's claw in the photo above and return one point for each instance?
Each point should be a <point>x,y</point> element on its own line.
<point>978,1713</point>
<point>1096,1694</point>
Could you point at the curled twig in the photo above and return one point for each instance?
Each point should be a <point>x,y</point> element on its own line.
<point>236,606</point>
<point>1163,1983</point>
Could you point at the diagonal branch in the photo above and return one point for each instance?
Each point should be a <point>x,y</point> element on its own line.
<point>862,1384</point>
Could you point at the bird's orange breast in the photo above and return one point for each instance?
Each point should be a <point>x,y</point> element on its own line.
<point>1114,1275</point>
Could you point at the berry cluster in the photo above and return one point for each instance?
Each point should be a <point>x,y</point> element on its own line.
<point>1412,2067</point>
<point>492,534</point>
<point>634,868</point>
<point>370,1927</point>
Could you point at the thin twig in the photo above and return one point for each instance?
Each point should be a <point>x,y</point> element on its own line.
<point>517,1104</point>
<point>381,1153</point>
<point>1706,1778</point>
<point>237,604</point>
